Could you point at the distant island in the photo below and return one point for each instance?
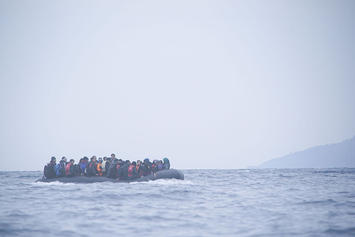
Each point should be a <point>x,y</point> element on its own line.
<point>327,156</point>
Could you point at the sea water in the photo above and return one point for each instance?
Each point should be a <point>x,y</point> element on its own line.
<point>265,202</point>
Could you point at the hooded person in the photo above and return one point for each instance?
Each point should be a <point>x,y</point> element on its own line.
<point>160,165</point>
<point>166,163</point>
<point>49,169</point>
<point>146,167</point>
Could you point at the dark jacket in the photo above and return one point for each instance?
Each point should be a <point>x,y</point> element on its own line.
<point>107,166</point>
<point>49,170</point>
<point>123,172</point>
<point>91,169</point>
<point>112,171</point>
<point>166,163</point>
<point>146,168</point>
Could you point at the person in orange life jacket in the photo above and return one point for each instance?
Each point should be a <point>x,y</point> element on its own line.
<point>49,169</point>
<point>139,169</point>
<point>131,171</point>
<point>91,169</point>
<point>69,168</point>
<point>99,167</point>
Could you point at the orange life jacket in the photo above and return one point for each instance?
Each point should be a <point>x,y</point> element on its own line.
<point>99,169</point>
<point>130,170</point>
<point>67,169</point>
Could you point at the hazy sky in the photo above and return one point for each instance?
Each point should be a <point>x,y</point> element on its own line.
<point>209,84</point>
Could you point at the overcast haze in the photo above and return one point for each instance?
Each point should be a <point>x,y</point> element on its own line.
<point>209,84</point>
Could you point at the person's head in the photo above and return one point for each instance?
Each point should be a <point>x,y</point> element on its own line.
<point>100,159</point>
<point>127,162</point>
<point>166,160</point>
<point>64,159</point>
<point>72,161</point>
<point>104,158</point>
<point>139,162</point>
<point>53,159</point>
<point>113,156</point>
<point>146,160</point>
<point>134,163</point>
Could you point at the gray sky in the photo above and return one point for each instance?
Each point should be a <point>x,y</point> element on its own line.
<point>209,84</point>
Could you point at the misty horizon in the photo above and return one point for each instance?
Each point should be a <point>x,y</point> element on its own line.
<point>208,84</point>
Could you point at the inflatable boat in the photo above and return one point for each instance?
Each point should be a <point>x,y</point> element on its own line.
<point>163,174</point>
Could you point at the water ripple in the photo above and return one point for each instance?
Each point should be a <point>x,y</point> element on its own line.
<point>269,202</point>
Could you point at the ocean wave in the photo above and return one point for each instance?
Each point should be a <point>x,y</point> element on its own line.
<point>206,203</point>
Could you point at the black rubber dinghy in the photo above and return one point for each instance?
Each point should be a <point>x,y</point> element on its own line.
<point>163,174</point>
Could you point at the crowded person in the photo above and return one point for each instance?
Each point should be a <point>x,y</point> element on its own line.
<point>70,169</point>
<point>99,167</point>
<point>103,165</point>
<point>91,169</point>
<point>131,170</point>
<point>166,163</point>
<point>49,169</point>
<point>110,167</point>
